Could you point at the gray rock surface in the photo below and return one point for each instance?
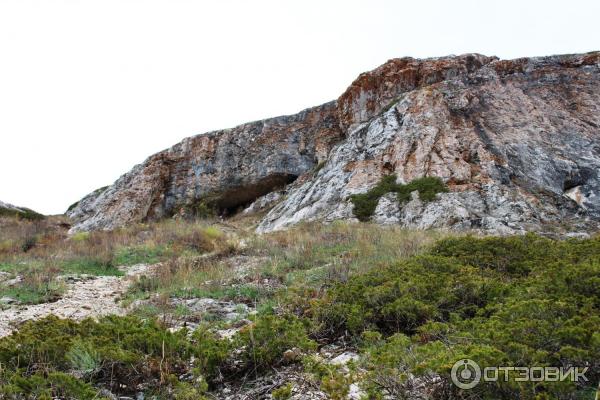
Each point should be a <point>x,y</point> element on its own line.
<point>516,141</point>
<point>264,202</point>
<point>224,169</point>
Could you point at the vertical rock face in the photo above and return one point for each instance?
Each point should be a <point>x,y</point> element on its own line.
<point>376,90</point>
<point>516,141</point>
<point>227,168</point>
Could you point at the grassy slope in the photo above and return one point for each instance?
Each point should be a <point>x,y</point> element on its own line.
<point>21,212</point>
<point>406,300</point>
<point>39,251</point>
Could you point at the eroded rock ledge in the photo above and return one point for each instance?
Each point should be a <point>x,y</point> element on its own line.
<point>227,169</point>
<point>516,141</point>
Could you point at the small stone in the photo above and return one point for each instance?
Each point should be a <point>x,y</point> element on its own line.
<point>292,355</point>
<point>345,358</point>
<point>8,300</point>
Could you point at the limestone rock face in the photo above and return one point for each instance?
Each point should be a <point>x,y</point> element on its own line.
<point>373,91</point>
<point>516,141</point>
<point>228,168</point>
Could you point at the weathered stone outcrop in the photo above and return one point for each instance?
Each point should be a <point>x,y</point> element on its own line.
<point>516,141</point>
<point>376,90</point>
<point>225,169</point>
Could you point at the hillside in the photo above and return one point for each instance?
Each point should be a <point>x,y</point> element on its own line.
<point>206,310</point>
<point>516,142</point>
<point>440,213</point>
<point>8,210</point>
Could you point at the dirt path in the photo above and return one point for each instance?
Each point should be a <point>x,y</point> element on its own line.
<point>86,297</point>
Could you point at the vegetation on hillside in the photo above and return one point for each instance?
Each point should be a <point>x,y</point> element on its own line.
<point>366,203</point>
<point>39,251</point>
<point>22,213</point>
<point>411,303</point>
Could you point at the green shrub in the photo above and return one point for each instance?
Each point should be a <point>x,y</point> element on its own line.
<point>204,209</point>
<point>80,236</point>
<point>120,352</point>
<point>516,301</point>
<point>401,297</point>
<point>331,379</point>
<point>268,337</point>
<point>45,387</point>
<point>516,254</point>
<point>83,358</point>
<point>211,352</point>
<point>283,392</point>
<point>366,203</point>
<point>213,232</point>
<point>29,243</point>
<point>188,391</point>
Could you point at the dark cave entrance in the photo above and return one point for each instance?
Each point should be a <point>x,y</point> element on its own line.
<point>231,201</point>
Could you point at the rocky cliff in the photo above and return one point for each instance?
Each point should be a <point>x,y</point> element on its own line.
<point>517,142</point>
<point>224,170</point>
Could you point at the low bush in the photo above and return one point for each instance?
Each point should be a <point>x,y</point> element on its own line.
<point>402,297</point>
<point>43,386</point>
<point>366,203</point>
<point>283,392</point>
<point>122,353</point>
<point>330,378</point>
<point>119,352</point>
<point>204,209</point>
<point>516,301</point>
<point>266,339</point>
<point>28,243</point>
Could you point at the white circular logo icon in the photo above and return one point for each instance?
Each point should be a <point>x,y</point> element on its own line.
<point>465,374</point>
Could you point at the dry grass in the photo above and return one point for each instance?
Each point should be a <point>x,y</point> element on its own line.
<point>315,254</point>
<point>46,240</point>
<point>38,251</point>
<point>197,258</point>
<point>308,255</point>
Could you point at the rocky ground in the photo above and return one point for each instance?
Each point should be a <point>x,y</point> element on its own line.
<point>239,294</point>
<point>96,296</point>
<point>86,296</point>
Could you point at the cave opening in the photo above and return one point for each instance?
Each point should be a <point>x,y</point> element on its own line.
<point>232,201</point>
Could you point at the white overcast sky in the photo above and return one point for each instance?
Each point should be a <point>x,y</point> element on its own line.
<point>90,88</point>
